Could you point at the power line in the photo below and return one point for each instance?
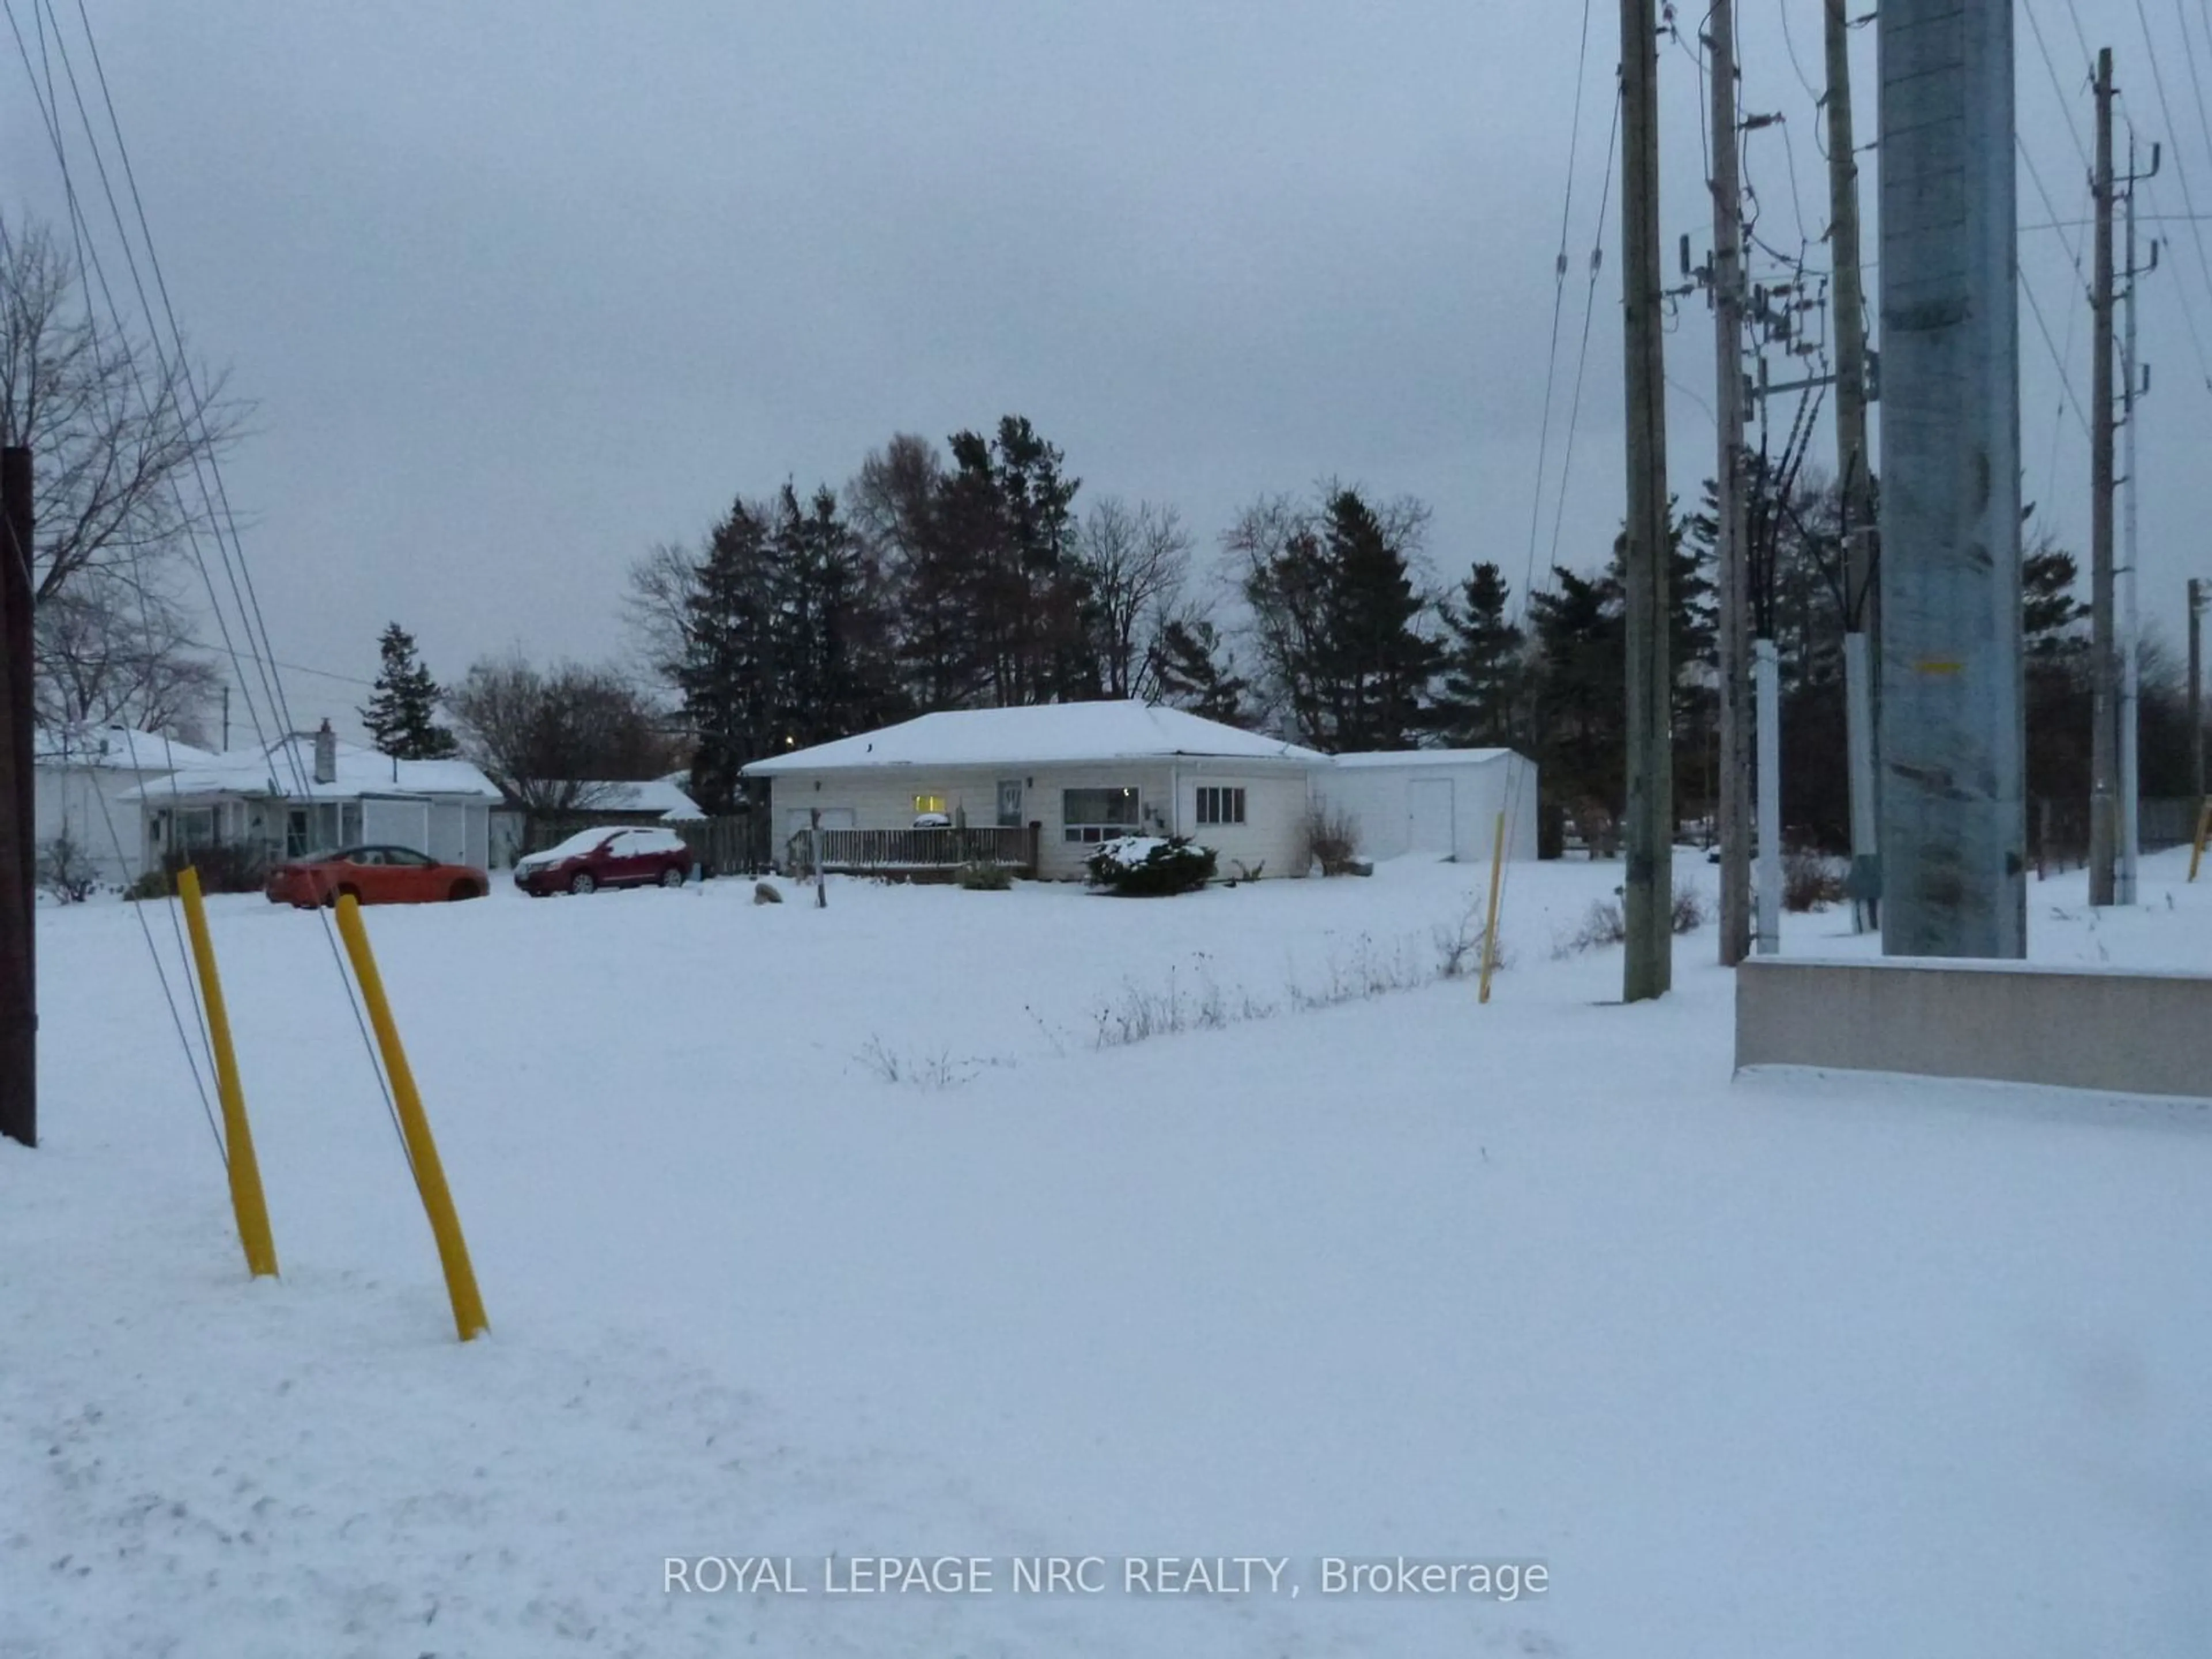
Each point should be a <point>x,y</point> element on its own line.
<point>1559,290</point>
<point>175,378</point>
<point>2180,171</point>
<point>1581,355</point>
<point>2050,67</point>
<point>2065,381</point>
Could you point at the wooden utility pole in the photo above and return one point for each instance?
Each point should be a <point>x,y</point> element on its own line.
<point>1730,527</point>
<point>2197,597</point>
<point>1854,460</point>
<point>2104,714</point>
<point>19,973</point>
<point>1649,838</point>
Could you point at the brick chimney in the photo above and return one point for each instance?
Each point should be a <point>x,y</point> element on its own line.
<point>326,754</point>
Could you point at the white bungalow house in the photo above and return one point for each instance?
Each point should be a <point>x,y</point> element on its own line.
<point>309,791</point>
<point>1043,785</point>
<point>80,778</point>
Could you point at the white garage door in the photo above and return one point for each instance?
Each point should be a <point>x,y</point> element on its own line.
<point>1428,817</point>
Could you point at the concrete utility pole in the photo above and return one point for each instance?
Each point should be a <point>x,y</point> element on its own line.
<point>1649,840</point>
<point>18,966</point>
<point>1735,597</point>
<point>1854,461</point>
<point>1954,827</point>
<point>2134,384</point>
<point>2104,678</point>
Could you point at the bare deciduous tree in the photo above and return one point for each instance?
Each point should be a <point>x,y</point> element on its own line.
<point>547,737</point>
<point>118,426</point>
<point>1136,561</point>
<point>663,581</point>
<point>110,654</point>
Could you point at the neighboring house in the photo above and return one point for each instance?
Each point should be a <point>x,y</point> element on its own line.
<point>655,802</point>
<point>308,792</point>
<point>80,776</point>
<point>1444,803</point>
<point>1061,778</point>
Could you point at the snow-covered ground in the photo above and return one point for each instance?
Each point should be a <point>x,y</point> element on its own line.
<point>1782,1366</point>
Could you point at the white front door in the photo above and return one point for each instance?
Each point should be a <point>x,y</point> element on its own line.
<point>1428,817</point>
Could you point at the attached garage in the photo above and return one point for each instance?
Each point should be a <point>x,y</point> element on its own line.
<point>1434,802</point>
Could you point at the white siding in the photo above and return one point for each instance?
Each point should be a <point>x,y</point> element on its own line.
<point>396,823</point>
<point>1273,832</point>
<point>81,803</point>
<point>1380,799</point>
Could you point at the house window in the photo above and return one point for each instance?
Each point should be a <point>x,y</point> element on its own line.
<point>1220,805</point>
<point>322,828</point>
<point>196,827</point>
<point>1091,815</point>
<point>929,803</point>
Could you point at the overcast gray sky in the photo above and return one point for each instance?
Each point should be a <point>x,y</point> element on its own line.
<point>520,289</point>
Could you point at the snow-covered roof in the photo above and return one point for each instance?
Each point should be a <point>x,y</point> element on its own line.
<point>116,748</point>
<point>281,767</point>
<point>1040,734</point>
<point>663,797</point>
<point>1421,756</point>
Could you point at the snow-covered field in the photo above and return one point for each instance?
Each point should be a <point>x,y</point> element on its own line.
<point>1783,1366</point>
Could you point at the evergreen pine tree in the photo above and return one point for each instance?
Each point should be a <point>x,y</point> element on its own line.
<point>402,711</point>
<point>727,673</point>
<point>1380,662</point>
<point>1193,673</point>
<point>1477,703</point>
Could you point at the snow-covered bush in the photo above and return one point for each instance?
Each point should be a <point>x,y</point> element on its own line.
<point>1689,913</point>
<point>985,876</point>
<point>1332,837</point>
<point>1149,866</point>
<point>1810,882</point>
<point>66,871</point>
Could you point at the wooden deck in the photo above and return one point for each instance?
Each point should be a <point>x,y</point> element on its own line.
<point>913,853</point>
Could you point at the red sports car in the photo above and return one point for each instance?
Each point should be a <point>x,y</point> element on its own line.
<point>593,859</point>
<point>373,875</point>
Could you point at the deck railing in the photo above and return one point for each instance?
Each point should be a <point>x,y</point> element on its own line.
<point>853,851</point>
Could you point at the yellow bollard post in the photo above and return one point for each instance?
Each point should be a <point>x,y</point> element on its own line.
<point>2203,835</point>
<point>429,1173</point>
<point>1490,928</point>
<point>247,1201</point>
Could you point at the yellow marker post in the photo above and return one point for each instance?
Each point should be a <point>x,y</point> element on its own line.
<point>1490,928</point>
<point>429,1173</point>
<point>246,1198</point>
<point>2203,835</point>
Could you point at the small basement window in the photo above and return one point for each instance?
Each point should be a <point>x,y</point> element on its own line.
<point>1095,814</point>
<point>1218,804</point>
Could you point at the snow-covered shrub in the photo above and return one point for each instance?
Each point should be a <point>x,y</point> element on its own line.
<point>1459,949</point>
<point>1689,913</point>
<point>1151,866</point>
<point>985,876</point>
<point>1602,924</point>
<point>1810,882</point>
<point>227,867</point>
<point>1332,839</point>
<point>66,871</point>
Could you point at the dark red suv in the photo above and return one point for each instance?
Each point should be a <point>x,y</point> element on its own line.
<point>593,858</point>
